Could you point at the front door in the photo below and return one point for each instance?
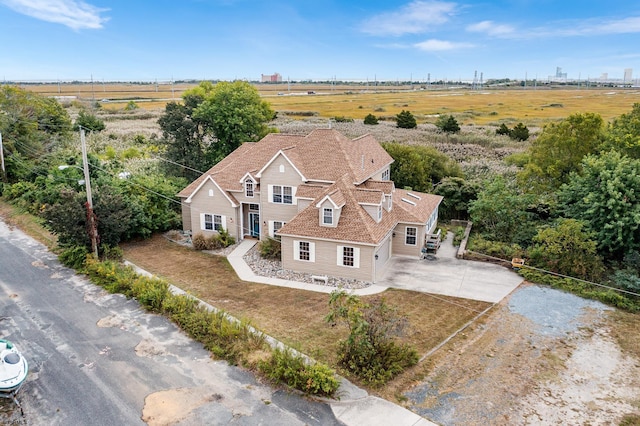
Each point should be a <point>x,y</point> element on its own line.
<point>254,224</point>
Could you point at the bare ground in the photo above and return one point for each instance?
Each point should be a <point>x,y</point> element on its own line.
<point>510,370</point>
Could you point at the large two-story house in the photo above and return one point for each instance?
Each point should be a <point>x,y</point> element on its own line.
<point>327,198</point>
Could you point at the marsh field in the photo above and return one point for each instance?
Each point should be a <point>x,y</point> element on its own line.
<point>486,106</point>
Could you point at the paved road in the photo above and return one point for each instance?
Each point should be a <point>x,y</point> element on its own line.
<point>98,359</point>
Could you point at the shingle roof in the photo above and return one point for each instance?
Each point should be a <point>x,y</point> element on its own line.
<point>322,155</point>
<point>355,224</point>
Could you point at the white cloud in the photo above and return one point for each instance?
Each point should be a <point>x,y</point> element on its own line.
<point>434,45</point>
<point>490,28</point>
<point>414,18</point>
<point>75,14</point>
<point>619,26</point>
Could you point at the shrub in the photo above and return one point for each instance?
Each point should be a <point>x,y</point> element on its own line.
<point>131,106</point>
<point>342,119</point>
<point>370,119</point>
<point>270,248</point>
<point>503,130</point>
<point>370,352</point>
<point>406,120</point>
<point>499,249</point>
<point>89,122</point>
<point>286,367</point>
<point>519,133</point>
<point>150,292</point>
<point>447,124</point>
<point>74,257</point>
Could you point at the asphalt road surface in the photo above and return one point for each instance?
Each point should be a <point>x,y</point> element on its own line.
<point>99,359</point>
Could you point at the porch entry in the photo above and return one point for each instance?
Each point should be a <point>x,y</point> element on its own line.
<point>254,224</point>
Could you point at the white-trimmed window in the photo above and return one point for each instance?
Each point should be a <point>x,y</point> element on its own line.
<point>281,194</point>
<point>212,222</point>
<point>327,216</point>
<point>348,256</point>
<point>211,193</point>
<point>386,175</point>
<point>274,227</point>
<point>379,213</point>
<point>411,237</point>
<point>304,250</point>
<point>248,188</point>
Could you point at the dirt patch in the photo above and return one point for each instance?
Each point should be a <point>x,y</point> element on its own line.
<point>543,357</point>
<point>148,348</point>
<point>169,407</point>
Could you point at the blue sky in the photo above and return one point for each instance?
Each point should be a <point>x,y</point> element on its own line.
<point>321,39</point>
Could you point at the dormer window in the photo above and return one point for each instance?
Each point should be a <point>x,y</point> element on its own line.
<point>327,216</point>
<point>248,188</point>
<point>379,213</point>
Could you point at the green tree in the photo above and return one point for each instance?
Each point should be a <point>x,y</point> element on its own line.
<point>31,125</point>
<point>89,122</point>
<point>418,166</point>
<point>447,124</point>
<point>370,351</point>
<point>623,134</point>
<point>500,211</point>
<point>520,132</point>
<point>131,106</point>
<point>559,150</point>
<point>184,136</point>
<point>458,194</point>
<point>406,120</point>
<point>604,194</point>
<point>233,113</point>
<point>566,247</point>
<point>503,130</point>
<point>370,119</point>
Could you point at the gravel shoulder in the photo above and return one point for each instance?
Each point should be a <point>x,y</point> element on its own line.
<point>542,357</point>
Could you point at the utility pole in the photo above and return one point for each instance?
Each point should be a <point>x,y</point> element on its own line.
<point>91,218</point>
<point>4,174</point>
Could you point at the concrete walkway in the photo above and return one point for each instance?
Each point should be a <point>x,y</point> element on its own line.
<point>245,273</point>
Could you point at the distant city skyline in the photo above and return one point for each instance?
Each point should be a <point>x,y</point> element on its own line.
<point>50,40</point>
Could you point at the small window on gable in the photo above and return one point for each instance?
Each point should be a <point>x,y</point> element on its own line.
<point>385,175</point>
<point>281,168</point>
<point>327,216</point>
<point>211,193</point>
<point>248,188</point>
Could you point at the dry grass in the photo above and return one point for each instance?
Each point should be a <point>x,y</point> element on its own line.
<point>293,316</point>
<point>532,106</point>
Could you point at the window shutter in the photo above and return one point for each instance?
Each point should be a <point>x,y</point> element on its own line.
<point>271,232</point>
<point>270,193</point>
<point>339,256</point>
<point>223,221</point>
<point>294,200</point>
<point>356,257</point>
<point>312,252</point>
<point>296,250</point>
<point>202,221</point>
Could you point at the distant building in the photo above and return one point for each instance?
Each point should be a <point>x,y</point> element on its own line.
<point>628,75</point>
<point>560,74</point>
<point>271,78</point>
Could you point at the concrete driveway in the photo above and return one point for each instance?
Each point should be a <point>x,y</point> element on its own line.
<point>449,276</point>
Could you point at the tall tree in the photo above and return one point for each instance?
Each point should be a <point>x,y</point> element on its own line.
<point>458,194</point>
<point>233,113</point>
<point>406,120</point>
<point>605,196</point>
<point>184,136</point>
<point>623,134</point>
<point>559,150</point>
<point>447,124</point>
<point>419,167</point>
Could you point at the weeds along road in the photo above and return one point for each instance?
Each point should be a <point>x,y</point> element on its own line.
<point>99,359</point>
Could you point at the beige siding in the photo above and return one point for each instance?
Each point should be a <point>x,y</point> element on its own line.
<point>272,176</point>
<point>336,214</point>
<point>186,215</point>
<point>372,210</point>
<point>384,254</point>
<point>217,203</point>
<point>326,262</point>
<point>399,241</point>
